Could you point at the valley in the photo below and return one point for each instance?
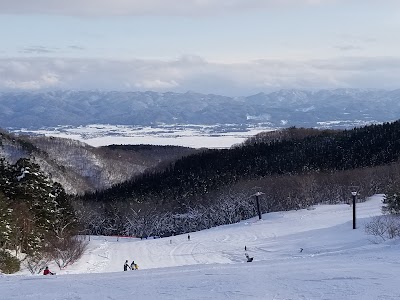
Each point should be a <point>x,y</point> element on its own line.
<point>190,135</point>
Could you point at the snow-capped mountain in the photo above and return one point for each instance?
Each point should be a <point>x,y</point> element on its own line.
<point>342,107</point>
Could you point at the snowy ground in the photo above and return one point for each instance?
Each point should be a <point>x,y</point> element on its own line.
<point>337,263</point>
<point>189,135</point>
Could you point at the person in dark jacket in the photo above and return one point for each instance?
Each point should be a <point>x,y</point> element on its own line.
<point>249,259</point>
<point>46,271</point>
<point>133,265</point>
<point>126,266</point>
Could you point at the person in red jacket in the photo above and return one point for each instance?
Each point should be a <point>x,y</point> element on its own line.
<point>47,271</point>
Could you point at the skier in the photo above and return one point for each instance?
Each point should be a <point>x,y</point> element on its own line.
<point>46,271</point>
<point>126,266</point>
<point>133,265</point>
<point>188,237</point>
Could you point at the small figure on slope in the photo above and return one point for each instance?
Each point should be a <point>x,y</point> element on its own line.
<point>249,259</point>
<point>188,237</point>
<point>126,266</point>
<point>133,265</point>
<point>46,271</point>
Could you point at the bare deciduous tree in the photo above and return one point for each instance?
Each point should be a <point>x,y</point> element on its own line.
<point>67,250</point>
<point>36,263</point>
<point>384,227</point>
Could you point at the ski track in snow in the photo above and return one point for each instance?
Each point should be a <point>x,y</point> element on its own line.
<point>265,239</point>
<point>336,262</point>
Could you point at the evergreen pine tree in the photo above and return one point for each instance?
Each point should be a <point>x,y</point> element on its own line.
<point>392,201</point>
<point>37,208</point>
<point>5,221</point>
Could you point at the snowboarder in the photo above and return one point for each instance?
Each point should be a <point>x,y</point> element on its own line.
<point>126,266</point>
<point>133,265</point>
<point>46,271</point>
<point>301,250</point>
<point>249,259</point>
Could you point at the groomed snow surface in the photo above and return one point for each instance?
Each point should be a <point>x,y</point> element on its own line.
<point>336,262</point>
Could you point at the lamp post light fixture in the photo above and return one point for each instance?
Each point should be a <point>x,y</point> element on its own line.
<point>354,194</point>
<point>258,204</point>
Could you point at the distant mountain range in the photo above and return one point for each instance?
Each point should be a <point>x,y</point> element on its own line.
<point>324,108</point>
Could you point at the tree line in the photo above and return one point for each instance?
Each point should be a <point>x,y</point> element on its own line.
<point>37,219</point>
<point>296,168</point>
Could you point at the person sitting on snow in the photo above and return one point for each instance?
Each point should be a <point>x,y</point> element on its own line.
<point>249,259</point>
<point>46,271</point>
<point>133,265</point>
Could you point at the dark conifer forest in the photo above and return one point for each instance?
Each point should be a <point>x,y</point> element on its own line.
<point>202,189</point>
<point>202,173</point>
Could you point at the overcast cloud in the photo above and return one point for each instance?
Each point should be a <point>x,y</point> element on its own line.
<point>235,47</point>
<point>198,75</point>
<point>142,7</point>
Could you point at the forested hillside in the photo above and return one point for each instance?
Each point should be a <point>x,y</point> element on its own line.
<point>37,219</point>
<point>202,173</point>
<point>340,107</point>
<point>215,186</point>
<point>81,168</point>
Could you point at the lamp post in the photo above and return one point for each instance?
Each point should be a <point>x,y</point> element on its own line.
<point>354,194</point>
<point>258,204</point>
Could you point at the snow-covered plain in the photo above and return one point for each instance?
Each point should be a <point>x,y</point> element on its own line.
<point>188,135</point>
<point>337,262</point>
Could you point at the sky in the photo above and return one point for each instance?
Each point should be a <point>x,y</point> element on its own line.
<point>337,262</point>
<point>229,47</point>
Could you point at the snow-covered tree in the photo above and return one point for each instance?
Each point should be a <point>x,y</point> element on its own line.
<point>5,221</point>
<point>32,208</point>
<point>392,201</point>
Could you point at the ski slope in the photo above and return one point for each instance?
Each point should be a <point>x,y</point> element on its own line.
<point>336,262</point>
